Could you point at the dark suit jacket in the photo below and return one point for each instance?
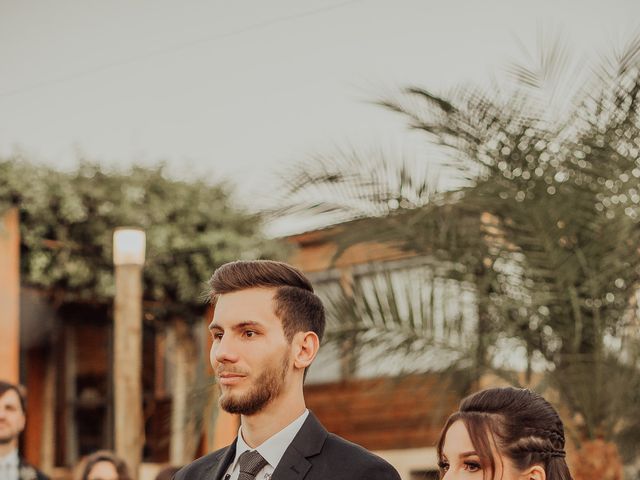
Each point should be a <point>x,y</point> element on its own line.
<point>27,472</point>
<point>314,454</point>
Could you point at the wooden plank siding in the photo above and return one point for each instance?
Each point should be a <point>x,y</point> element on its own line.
<point>384,413</point>
<point>317,251</point>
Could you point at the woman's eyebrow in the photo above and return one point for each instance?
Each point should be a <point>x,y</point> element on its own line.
<point>470,453</point>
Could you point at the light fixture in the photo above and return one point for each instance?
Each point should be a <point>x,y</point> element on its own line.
<point>129,245</point>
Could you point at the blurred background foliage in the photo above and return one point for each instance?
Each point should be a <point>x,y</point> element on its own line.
<point>67,221</point>
<point>544,223</point>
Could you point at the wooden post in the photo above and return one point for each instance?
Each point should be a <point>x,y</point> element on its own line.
<point>36,363</point>
<point>10,295</point>
<point>47,452</point>
<point>184,436</point>
<point>127,378</point>
<point>70,375</point>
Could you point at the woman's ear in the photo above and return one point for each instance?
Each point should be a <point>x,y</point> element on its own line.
<point>535,472</point>
<point>306,346</point>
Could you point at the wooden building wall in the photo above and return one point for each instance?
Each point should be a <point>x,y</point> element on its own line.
<point>384,413</point>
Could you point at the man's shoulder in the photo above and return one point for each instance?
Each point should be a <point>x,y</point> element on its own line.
<point>201,465</point>
<point>29,472</point>
<point>41,476</point>
<point>357,458</point>
<point>337,458</point>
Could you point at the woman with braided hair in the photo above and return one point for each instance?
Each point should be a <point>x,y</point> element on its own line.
<point>506,434</point>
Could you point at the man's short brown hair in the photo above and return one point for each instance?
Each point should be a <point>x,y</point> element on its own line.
<point>295,303</point>
<point>19,389</point>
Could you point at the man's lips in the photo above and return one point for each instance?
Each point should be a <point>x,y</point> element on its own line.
<point>230,378</point>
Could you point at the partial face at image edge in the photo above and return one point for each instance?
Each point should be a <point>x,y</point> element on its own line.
<point>12,418</point>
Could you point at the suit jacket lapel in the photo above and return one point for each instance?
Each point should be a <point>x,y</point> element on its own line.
<point>293,466</point>
<point>307,443</point>
<point>224,462</point>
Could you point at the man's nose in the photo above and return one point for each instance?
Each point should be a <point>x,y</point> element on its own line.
<point>223,351</point>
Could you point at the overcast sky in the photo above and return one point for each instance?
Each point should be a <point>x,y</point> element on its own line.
<point>238,89</point>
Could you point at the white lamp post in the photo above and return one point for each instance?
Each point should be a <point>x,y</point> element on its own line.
<point>128,258</point>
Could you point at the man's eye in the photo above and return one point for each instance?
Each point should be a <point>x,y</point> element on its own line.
<point>217,335</point>
<point>249,333</point>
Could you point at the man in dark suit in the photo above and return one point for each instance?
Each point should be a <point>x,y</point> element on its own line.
<point>266,329</point>
<point>12,423</point>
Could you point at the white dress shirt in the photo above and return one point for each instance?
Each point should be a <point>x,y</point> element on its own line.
<point>271,449</point>
<point>9,466</point>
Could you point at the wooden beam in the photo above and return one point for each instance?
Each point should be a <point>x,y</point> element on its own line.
<point>10,295</point>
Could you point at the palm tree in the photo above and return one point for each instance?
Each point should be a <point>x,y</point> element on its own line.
<point>546,225</point>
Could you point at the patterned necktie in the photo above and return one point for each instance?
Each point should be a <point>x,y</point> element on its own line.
<point>250,464</point>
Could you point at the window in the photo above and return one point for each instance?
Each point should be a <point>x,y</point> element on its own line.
<point>386,300</point>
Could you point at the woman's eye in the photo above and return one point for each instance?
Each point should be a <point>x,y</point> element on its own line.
<point>249,333</point>
<point>444,466</point>
<point>472,466</point>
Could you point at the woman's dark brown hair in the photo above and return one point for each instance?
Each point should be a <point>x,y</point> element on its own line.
<point>105,456</point>
<point>521,424</point>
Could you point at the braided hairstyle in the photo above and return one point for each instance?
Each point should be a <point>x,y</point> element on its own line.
<point>522,426</point>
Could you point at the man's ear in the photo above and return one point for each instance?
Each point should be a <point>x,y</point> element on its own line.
<point>305,349</point>
<point>535,472</point>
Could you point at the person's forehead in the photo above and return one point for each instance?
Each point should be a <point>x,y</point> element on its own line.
<point>249,301</point>
<point>10,397</point>
<point>457,438</point>
<point>104,468</point>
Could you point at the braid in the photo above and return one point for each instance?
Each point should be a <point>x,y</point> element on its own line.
<point>525,427</point>
<point>555,436</point>
<point>537,447</point>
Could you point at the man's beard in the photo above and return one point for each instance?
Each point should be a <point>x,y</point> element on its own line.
<point>5,439</point>
<point>267,387</point>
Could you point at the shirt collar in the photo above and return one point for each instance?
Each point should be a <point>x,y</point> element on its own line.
<point>272,449</point>
<point>10,459</point>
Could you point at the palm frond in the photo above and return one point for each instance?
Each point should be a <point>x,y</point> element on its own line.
<point>546,228</point>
